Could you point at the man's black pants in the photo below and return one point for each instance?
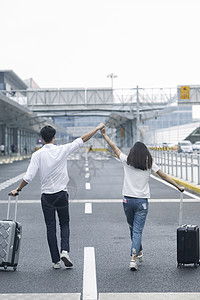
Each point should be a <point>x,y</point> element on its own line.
<point>50,204</point>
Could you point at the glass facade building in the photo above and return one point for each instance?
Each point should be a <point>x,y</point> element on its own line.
<point>78,121</point>
<point>182,115</point>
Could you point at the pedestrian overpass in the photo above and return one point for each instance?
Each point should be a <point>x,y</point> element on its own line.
<point>61,102</point>
<point>126,108</point>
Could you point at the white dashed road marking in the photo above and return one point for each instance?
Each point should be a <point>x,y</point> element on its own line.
<point>87,186</point>
<point>88,208</point>
<point>89,275</point>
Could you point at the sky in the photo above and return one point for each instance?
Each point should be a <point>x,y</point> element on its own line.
<point>77,43</point>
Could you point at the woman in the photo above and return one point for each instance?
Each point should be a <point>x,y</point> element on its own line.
<point>137,169</point>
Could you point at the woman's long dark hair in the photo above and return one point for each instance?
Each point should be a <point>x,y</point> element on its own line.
<point>139,157</point>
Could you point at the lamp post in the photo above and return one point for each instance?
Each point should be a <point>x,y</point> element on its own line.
<point>112,76</point>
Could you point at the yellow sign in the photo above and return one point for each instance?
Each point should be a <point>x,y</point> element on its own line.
<point>185,92</point>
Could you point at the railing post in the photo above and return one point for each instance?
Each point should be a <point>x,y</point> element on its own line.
<point>164,161</point>
<point>168,162</point>
<point>155,155</point>
<point>181,165</point>
<point>192,168</point>
<point>186,166</point>
<point>172,162</point>
<point>176,155</point>
<point>198,166</point>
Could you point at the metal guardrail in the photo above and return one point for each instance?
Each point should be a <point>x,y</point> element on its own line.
<point>181,165</point>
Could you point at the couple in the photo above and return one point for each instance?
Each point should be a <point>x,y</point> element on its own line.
<point>51,161</point>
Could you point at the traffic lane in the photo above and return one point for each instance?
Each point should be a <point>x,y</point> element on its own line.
<point>109,234</point>
<point>105,178</point>
<point>30,192</point>
<point>35,273</point>
<point>8,171</point>
<point>106,182</point>
<point>159,190</point>
<point>76,184</point>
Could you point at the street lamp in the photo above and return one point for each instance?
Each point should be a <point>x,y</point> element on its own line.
<point>112,76</point>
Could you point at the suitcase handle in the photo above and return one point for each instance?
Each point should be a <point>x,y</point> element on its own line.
<point>181,209</point>
<point>17,242</point>
<point>8,211</point>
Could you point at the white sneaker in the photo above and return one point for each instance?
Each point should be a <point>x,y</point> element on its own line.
<point>66,259</point>
<point>57,265</point>
<point>133,265</point>
<point>140,258</point>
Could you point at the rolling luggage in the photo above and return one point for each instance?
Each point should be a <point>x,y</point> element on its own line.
<point>187,241</point>
<point>10,240</point>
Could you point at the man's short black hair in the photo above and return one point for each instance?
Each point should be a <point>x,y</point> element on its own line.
<point>47,133</point>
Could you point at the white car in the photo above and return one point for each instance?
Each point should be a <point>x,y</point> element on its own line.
<point>185,146</point>
<point>196,146</point>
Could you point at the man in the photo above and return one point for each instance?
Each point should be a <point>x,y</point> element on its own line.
<point>51,161</point>
<point>2,148</point>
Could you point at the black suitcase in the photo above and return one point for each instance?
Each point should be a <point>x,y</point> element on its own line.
<point>10,240</point>
<point>187,241</point>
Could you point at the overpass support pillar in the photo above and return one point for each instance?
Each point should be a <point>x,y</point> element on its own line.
<point>2,134</point>
<point>126,134</point>
<point>134,132</point>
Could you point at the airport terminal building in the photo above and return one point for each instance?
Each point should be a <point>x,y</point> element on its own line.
<point>19,127</point>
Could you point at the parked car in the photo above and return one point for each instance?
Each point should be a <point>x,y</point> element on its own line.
<point>185,146</point>
<point>169,146</point>
<point>196,146</point>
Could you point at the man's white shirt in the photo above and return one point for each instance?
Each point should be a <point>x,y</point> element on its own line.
<point>51,161</point>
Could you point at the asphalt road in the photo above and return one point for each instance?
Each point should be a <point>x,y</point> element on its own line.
<point>97,178</point>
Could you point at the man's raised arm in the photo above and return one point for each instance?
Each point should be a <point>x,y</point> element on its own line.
<point>88,135</point>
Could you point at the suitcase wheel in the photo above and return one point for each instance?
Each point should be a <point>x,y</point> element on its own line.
<point>5,267</point>
<point>15,268</point>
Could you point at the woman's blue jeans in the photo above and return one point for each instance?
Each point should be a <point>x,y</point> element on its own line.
<point>50,204</point>
<point>136,210</point>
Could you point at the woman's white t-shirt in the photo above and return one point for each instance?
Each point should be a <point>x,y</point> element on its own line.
<point>136,181</point>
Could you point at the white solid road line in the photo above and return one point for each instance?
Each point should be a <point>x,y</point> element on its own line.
<point>89,275</point>
<point>168,200</point>
<point>149,296</point>
<point>173,187</point>
<point>46,296</point>
<point>88,208</point>
<point>103,201</point>
<point>9,182</point>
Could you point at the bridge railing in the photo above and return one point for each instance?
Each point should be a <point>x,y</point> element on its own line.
<point>181,165</point>
<point>92,96</point>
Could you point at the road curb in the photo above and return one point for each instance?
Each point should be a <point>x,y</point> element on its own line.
<point>187,185</point>
<point>10,160</point>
